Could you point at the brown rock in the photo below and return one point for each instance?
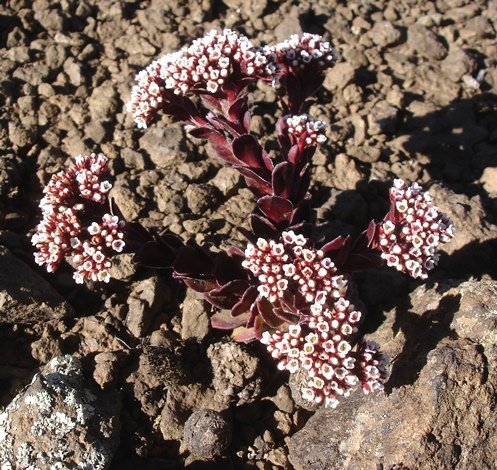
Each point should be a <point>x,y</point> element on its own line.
<point>194,319</point>
<point>489,179</point>
<point>163,144</point>
<point>26,297</point>
<point>146,300</point>
<point>207,434</point>
<point>347,174</point>
<point>425,42</point>
<point>106,369</point>
<point>442,385</point>
<point>451,395</point>
<point>384,34</point>
<point>237,375</point>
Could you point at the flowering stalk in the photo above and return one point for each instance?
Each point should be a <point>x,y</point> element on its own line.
<point>283,288</point>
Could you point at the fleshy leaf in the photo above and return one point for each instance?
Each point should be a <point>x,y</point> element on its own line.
<point>222,320</point>
<point>275,208</point>
<point>243,306</point>
<point>282,179</point>
<point>248,150</point>
<point>228,268</point>
<point>193,260</point>
<point>265,309</point>
<point>262,227</point>
<point>154,255</point>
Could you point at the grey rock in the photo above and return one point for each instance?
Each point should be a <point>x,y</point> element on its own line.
<point>290,26</point>
<point>296,382</point>
<point>95,131</point>
<point>365,153</point>
<point>10,175</point>
<point>489,179</point>
<point>135,44</point>
<point>59,422</point>
<point>106,369</point>
<point>20,136</point>
<point>25,297</point>
<point>125,198</point>
<point>425,42</point>
<point>347,173</point>
<point>207,434</point>
<point>448,395</point>
<point>133,159</point>
<point>476,317</point>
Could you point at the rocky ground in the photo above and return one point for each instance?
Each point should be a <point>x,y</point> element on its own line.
<point>124,370</point>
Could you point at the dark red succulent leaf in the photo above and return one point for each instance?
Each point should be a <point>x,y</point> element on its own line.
<point>372,234</point>
<point>246,121</point>
<point>266,311</point>
<point>238,108</point>
<point>278,210</point>
<point>362,261</point>
<point>211,102</point>
<point>236,287</point>
<point>302,213</point>
<point>180,108</point>
<point>285,316</point>
<point>246,335</point>
<point>222,320</point>
<point>248,150</point>
<point>293,88</point>
<point>223,301</point>
<point>282,179</point>
<point>334,245</point>
<point>283,138</point>
<point>262,227</point>
<point>232,128</point>
<point>302,186</point>
<point>292,304</point>
<point>257,180</point>
<point>154,255</point>
<point>250,236</point>
<point>234,251</point>
<point>245,303</point>
<point>193,261</point>
<point>197,284</point>
<point>229,268</point>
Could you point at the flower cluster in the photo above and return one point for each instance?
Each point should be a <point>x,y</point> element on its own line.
<point>147,95</point>
<point>206,65</point>
<point>291,265</point>
<point>322,345</point>
<point>303,52</point>
<point>410,235</point>
<point>303,128</point>
<point>91,256</point>
<point>72,201</point>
